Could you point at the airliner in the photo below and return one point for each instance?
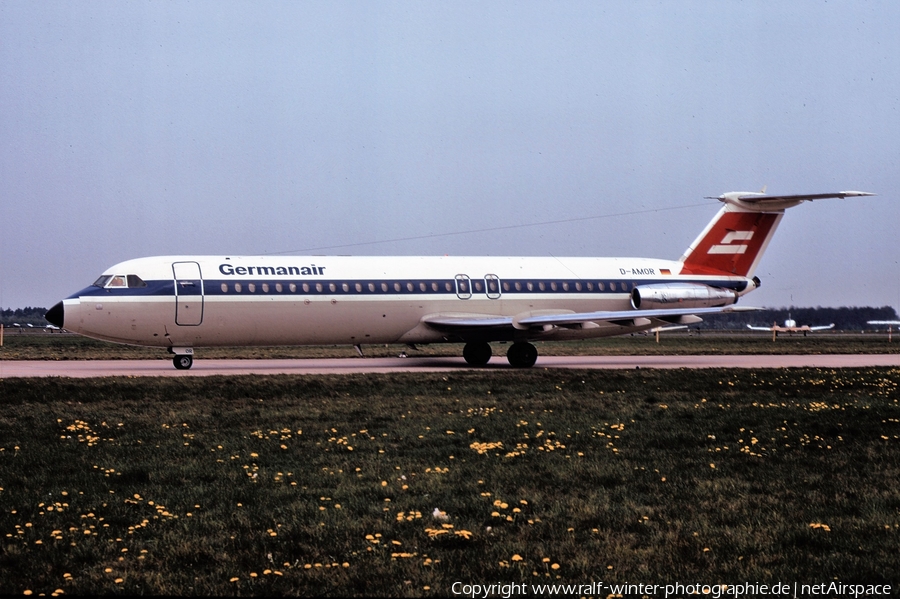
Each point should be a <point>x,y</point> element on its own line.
<point>186,302</point>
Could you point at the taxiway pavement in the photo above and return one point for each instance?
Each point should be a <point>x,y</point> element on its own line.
<point>100,368</point>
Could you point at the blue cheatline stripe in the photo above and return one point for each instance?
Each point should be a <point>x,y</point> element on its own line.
<point>392,287</point>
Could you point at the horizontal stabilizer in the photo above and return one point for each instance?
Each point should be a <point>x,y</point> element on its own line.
<point>761,198</point>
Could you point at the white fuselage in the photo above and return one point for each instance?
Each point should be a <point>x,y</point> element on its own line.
<point>204,301</point>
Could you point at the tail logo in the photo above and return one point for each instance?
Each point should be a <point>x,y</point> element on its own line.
<point>726,247</point>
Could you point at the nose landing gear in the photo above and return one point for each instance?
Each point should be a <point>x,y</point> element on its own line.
<point>184,357</point>
<point>183,362</point>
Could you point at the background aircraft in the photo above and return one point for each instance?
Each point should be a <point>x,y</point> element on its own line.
<point>790,326</point>
<point>889,323</point>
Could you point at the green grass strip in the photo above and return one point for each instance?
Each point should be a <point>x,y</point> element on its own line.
<point>402,484</point>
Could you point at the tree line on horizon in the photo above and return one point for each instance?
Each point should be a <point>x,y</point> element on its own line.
<point>844,318</point>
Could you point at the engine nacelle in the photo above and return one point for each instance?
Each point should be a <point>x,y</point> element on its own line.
<point>680,295</point>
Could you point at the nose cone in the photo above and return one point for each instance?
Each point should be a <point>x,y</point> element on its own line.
<point>56,315</point>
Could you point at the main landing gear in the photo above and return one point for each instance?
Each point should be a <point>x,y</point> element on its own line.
<point>520,354</point>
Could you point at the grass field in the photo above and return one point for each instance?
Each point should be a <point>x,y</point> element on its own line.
<point>46,346</point>
<point>401,485</point>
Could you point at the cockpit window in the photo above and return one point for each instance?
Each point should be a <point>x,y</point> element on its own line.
<point>135,281</point>
<point>131,281</point>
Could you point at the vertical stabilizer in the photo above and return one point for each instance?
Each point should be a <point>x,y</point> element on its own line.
<point>734,241</point>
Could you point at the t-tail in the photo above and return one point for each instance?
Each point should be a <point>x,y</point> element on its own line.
<point>734,241</point>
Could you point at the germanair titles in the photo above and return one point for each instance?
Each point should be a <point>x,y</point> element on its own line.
<point>272,271</point>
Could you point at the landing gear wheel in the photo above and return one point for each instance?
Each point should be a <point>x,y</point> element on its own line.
<point>183,362</point>
<point>477,353</point>
<point>522,355</point>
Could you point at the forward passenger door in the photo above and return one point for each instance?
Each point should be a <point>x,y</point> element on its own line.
<point>188,293</point>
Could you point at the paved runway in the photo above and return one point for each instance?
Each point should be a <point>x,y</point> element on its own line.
<point>96,368</point>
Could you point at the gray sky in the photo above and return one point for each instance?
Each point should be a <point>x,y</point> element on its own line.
<point>132,129</point>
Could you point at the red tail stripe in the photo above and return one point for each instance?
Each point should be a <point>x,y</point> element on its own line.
<point>732,244</point>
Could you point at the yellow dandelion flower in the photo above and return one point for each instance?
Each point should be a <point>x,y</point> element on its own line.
<point>516,558</point>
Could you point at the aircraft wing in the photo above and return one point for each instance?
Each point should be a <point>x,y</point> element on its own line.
<point>824,327</point>
<point>884,322</point>
<point>574,319</point>
<point>753,328</point>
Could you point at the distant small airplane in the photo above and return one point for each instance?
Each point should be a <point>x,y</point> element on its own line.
<point>656,330</point>
<point>889,323</point>
<point>790,326</point>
